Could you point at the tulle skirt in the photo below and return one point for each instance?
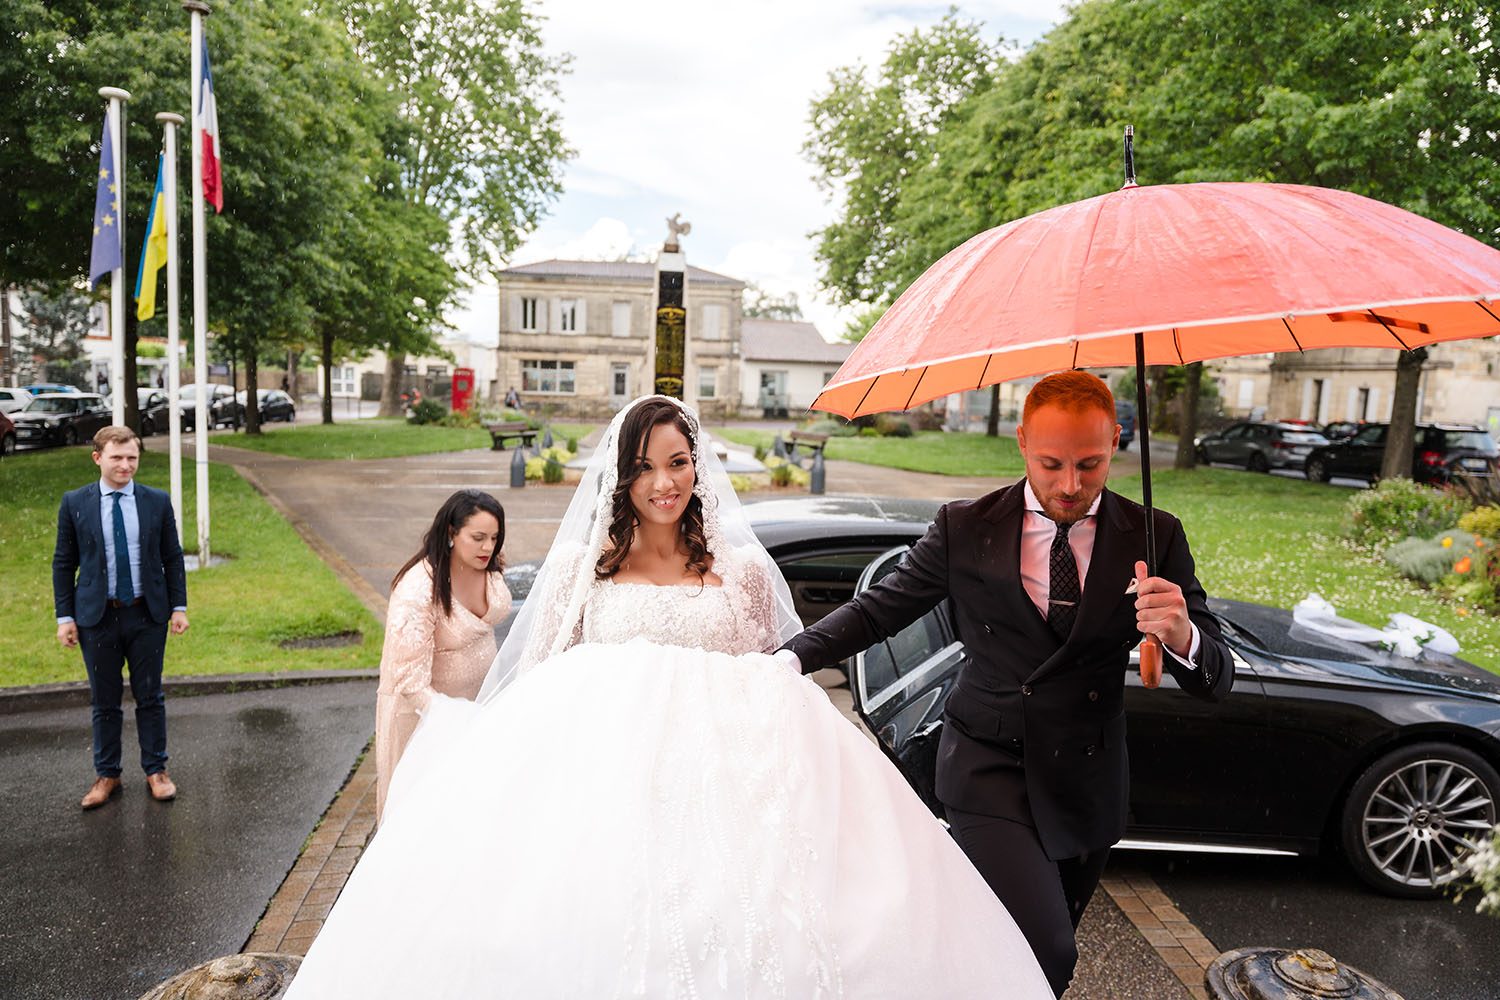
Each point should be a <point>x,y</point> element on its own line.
<point>651,821</point>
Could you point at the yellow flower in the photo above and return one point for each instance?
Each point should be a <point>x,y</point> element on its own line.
<point>1447,543</point>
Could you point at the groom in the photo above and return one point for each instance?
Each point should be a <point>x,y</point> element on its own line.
<point>1047,588</point>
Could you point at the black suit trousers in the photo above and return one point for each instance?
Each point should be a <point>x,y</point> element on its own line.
<point>126,635</point>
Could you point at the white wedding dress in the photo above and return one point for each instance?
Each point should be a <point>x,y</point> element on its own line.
<point>656,813</point>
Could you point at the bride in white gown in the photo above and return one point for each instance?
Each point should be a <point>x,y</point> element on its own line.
<point>642,803</point>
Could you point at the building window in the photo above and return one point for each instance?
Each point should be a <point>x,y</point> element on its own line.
<point>714,316</point>
<point>547,376</point>
<point>620,327</point>
<point>530,307</point>
<point>567,315</point>
<point>437,371</point>
<point>828,377</point>
<point>342,379</point>
<point>619,380</point>
<point>708,383</point>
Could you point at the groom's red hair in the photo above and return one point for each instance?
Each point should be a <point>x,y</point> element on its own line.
<point>1074,391</point>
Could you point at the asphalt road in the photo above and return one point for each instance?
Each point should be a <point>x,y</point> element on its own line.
<point>105,904</point>
<point>1420,948</point>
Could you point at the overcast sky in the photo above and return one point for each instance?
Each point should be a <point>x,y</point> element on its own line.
<point>701,108</point>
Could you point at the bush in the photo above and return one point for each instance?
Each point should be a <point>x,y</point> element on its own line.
<point>892,426</point>
<point>760,452</point>
<point>1482,521</point>
<point>868,432</point>
<point>1431,559</point>
<point>1397,508</point>
<point>741,482</point>
<point>832,426</point>
<point>573,445</point>
<point>552,471</point>
<point>427,411</point>
<point>781,474</point>
<point>540,469</point>
<point>461,418</point>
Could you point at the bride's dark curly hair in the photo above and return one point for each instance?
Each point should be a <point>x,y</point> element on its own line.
<point>635,438</point>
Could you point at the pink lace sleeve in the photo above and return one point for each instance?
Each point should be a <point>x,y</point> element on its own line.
<point>405,672</point>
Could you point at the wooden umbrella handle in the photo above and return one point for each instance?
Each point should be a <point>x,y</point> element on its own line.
<point>1150,661</point>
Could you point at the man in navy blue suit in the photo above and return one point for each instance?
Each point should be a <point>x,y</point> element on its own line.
<point>119,585</point>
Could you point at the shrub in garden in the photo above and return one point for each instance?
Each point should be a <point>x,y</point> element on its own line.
<point>1475,579</point>
<point>892,426</point>
<point>868,432</point>
<point>539,469</point>
<point>573,445</point>
<point>832,426</point>
<point>1431,559</point>
<point>760,452</point>
<point>552,471</point>
<point>1398,508</point>
<point>427,411</point>
<point>1482,521</point>
<point>461,418</point>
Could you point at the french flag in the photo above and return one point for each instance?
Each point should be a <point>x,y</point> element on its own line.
<point>208,126</point>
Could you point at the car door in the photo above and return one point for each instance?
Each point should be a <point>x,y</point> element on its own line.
<point>1227,445</point>
<point>1360,456</point>
<point>1199,770</point>
<point>901,685</point>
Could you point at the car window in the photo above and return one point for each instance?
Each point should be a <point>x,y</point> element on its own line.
<point>1468,441</point>
<point>1370,435</point>
<point>1303,437</point>
<point>40,405</point>
<point>1236,432</point>
<point>821,581</point>
<point>907,649</point>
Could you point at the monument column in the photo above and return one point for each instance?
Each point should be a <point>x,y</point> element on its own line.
<point>669,346</point>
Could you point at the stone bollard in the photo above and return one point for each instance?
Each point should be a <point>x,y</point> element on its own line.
<point>1279,974</point>
<point>250,976</point>
<point>778,447</point>
<point>819,474</point>
<point>547,437</point>
<point>518,468</point>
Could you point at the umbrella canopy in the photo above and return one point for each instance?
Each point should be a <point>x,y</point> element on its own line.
<point>1202,270</point>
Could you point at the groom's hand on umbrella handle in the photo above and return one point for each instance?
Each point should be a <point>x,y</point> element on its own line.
<point>1161,615</point>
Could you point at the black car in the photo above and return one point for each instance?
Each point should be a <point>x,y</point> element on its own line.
<point>1342,430</point>
<point>273,405</point>
<point>153,409</point>
<point>1260,447</point>
<point>1439,453</point>
<point>224,408</point>
<point>7,436</point>
<point>1125,417</point>
<point>60,418</point>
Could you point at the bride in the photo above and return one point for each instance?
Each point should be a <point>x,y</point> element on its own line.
<point>642,803</point>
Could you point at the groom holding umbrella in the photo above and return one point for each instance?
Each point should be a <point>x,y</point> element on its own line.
<point>1033,740</point>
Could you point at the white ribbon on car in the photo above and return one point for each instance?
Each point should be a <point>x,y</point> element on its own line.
<point>1403,634</point>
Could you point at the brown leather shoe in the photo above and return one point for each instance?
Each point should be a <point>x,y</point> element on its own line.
<point>102,790</point>
<point>161,787</point>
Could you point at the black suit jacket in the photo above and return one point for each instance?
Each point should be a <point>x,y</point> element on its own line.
<point>80,571</point>
<point>1063,700</point>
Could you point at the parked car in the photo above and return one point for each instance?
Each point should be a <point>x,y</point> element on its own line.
<point>13,399</point>
<point>1260,447</point>
<point>1341,430</point>
<point>37,388</point>
<point>1125,417</point>
<point>7,436</point>
<point>153,409</point>
<point>1439,452</point>
<point>65,418</point>
<point>272,403</point>
<point>1321,747</point>
<point>224,409</point>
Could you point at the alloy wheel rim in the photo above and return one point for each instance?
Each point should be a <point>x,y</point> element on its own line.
<point>1422,818</point>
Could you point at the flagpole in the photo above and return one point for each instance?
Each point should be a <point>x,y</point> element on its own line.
<point>117,292</point>
<point>202,419</point>
<point>170,123</point>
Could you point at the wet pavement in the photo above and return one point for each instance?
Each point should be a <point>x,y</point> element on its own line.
<point>105,904</point>
<point>1419,948</point>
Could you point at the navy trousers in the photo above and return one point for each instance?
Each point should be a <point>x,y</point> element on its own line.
<point>126,635</point>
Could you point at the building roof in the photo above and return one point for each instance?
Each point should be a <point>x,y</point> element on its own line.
<point>613,270</point>
<point>788,340</point>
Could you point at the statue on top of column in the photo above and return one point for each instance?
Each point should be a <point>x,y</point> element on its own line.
<point>676,228</point>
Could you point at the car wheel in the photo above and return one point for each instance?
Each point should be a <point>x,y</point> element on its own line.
<point>70,436</point>
<point>147,428</point>
<point>1317,470</point>
<point>1413,812</point>
<point>1201,454</point>
<point>1257,462</point>
<point>8,445</point>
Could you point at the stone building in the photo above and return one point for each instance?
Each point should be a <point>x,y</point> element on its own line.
<point>784,366</point>
<point>577,337</point>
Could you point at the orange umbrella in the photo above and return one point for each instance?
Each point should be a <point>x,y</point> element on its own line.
<point>1168,275</point>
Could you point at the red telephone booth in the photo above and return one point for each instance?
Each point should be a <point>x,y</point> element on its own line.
<point>463,389</point>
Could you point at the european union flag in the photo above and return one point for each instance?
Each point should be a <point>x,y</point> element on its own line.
<point>107,254</point>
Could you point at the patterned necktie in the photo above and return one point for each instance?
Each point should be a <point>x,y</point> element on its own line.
<point>1062,590</point>
<point>123,589</point>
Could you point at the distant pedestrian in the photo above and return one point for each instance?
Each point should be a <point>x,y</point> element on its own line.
<point>440,625</point>
<point>101,380</point>
<point>161,379</point>
<point>286,385</point>
<point>512,399</point>
<point>119,586</point>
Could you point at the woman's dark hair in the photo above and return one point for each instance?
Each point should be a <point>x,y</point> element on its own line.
<point>635,438</point>
<point>437,547</point>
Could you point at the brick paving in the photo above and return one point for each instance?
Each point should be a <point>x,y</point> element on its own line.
<point>1180,944</point>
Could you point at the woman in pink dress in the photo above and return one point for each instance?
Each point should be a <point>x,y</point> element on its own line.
<point>440,625</point>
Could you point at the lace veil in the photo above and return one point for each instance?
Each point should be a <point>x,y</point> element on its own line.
<point>551,619</point>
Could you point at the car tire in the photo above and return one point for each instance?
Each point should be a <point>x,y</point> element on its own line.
<point>147,427</point>
<point>1317,470</point>
<point>1201,454</point>
<point>70,436</point>
<point>291,416</point>
<point>8,445</point>
<point>1425,799</point>
<point>1257,462</point>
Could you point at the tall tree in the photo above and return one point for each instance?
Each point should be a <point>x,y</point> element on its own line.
<point>761,304</point>
<point>482,142</point>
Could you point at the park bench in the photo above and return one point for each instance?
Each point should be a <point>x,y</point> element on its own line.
<point>501,433</point>
<point>807,439</point>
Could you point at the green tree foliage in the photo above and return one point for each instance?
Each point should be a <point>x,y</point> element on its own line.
<point>761,304</point>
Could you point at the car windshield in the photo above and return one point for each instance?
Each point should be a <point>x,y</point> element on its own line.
<point>1303,437</point>
<point>43,405</point>
<point>1470,441</point>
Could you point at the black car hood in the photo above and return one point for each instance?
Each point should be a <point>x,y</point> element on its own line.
<point>35,418</point>
<point>1275,632</point>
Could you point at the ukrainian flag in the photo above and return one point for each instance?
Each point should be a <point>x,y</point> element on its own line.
<point>153,254</point>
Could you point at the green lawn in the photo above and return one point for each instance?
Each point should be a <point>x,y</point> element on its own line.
<point>1272,540</point>
<point>356,439</point>
<point>273,588</point>
<point>947,454</point>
